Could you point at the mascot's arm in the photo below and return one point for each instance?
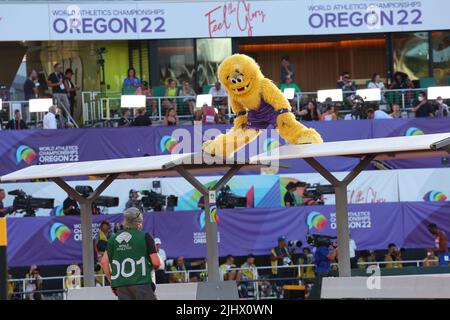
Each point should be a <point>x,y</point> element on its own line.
<point>240,120</point>
<point>273,96</point>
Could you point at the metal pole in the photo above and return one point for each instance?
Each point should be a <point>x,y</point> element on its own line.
<point>87,243</point>
<point>342,230</point>
<point>212,248</point>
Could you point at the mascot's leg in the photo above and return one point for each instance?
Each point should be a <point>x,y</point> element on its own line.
<point>294,132</point>
<point>225,145</point>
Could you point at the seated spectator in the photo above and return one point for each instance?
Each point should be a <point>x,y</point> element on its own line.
<point>151,103</point>
<point>222,117</point>
<point>287,69</point>
<point>401,81</point>
<point>442,109</point>
<point>377,114</point>
<point>142,119</point>
<point>289,84</point>
<point>431,260</point>
<point>345,83</point>
<point>396,111</point>
<point>394,256</point>
<point>219,94</point>
<point>209,115</point>
<point>61,120</point>
<point>329,114</point>
<point>423,108</point>
<point>171,91</point>
<point>249,268</point>
<point>364,257</point>
<point>375,83</point>
<point>179,269</point>
<point>131,81</point>
<point>17,123</point>
<point>171,118</point>
<point>230,274</point>
<point>125,121</point>
<point>188,103</point>
<point>311,113</point>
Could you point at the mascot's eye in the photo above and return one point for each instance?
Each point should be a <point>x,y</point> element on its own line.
<point>234,81</point>
<point>239,78</point>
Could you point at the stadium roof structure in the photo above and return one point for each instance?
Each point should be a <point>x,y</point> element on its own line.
<point>187,165</point>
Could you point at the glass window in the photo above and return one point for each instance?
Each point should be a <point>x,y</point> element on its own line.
<point>411,54</point>
<point>210,53</point>
<point>176,60</point>
<point>441,56</point>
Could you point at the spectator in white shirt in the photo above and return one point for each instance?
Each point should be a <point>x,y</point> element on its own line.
<point>160,274</point>
<point>375,83</point>
<point>50,119</point>
<point>219,94</point>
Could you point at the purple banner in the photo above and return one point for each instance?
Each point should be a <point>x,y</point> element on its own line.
<point>57,240</point>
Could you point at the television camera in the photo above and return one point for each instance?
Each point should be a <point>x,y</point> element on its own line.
<point>157,201</point>
<point>318,240</point>
<point>316,192</point>
<point>28,204</point>
<point>101,201</point>
<point>228,200</point>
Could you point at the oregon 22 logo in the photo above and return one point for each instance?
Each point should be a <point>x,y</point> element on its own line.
<point>25,153</point>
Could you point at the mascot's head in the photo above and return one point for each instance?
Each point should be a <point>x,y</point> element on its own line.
<point>240,75</point>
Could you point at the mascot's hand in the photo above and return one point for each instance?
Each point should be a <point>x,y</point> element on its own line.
<point>240,121</point>
<point>286,119</point>
<point>295,132</point>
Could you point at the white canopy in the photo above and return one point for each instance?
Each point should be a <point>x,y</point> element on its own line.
<point>384,148</point>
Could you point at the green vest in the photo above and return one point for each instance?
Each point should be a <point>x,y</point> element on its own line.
<point>129,259</point>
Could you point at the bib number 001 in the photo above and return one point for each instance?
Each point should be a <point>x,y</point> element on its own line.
<point>128,264</point>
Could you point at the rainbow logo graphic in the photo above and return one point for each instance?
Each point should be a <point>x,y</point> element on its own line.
<point>413,131</point>
<point>270,144</point>
<point>59,231</point>
<point>434,196</point>
<point>25,153</point>
<point>316,220</point>
<point>168,143</point>
<point>57,211</point>
<point>214,218</point>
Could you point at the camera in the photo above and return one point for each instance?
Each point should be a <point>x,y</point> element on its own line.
<point>318,240</point>
<point>316,191</point>
<point>157,201</point>
<point>102,201</point>
<point>25,203</point>
<point>226,199</point>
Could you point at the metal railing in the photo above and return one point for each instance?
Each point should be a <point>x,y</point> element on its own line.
<point>261,285</point>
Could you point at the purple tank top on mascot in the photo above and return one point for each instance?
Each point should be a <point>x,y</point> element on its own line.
<point>264,116</point>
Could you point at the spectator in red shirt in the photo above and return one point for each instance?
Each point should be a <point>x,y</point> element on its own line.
<point>441,241</point>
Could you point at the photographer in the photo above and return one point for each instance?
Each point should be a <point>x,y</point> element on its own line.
<point>323,257</point>
<point>4,211</point>
<point>70,207</point>
<point>280,256</point>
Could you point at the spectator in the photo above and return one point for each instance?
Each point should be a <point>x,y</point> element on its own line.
<point>431,260</point>
<point>249,270</point>
<point>401,81</point>
<point>376,83</point>
<point>393,255</point>
<point>423,109</point>
<point>189,102</point>
<point>70,207</point>
<point>179,269</point>
<point>396,111</point>
<point>329,114</point>
<point>101,238</point>
<point>171,91</point>
<point>307,258</point>
<point>364,257</point>
<point>441,242</point>
<point>50,119</point>
<point>229,274</point>
<point>4,211</point>
<point>323,257</point>
<point>151,103</point>
<point>33,284</point>
<point>311,113</point>
<point>131,81</point>
<point>11,286</point>
<point>171,118</point>
<point>61,121</point>
<point>287,69</point>
<point>352,251</point>
<point>17,123</point>
<point>289,84</point>
<point>133,201</point>
<point>219,94</point>
<point>289,196</point>
<point>345,83</point>
<point>209,115</point>
<point>280,256</point>
<point>125,121</point>
<point>56,82</point>
<point>71,89</point>
<point>142,119</point>
<point>160,273</point>
<point>222,117</point>
<point>442,109</point>
<point>377,114</point>
<point>30,89</point>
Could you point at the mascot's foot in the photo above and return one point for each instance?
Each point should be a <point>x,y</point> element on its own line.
<point>226,145</point>
<point>308,135</point>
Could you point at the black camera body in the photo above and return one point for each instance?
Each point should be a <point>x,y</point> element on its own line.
<point>316,191</point>
<point>101,201</point>
<point>157,201</point>
<point>25,203</point>
<point>226,199</point>
<point>319,240</point>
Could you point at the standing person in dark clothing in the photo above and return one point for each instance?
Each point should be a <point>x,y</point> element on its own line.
<point>71,89</point>
<point>17,123</point>
<point>30,90</point>
<point>423,109</point>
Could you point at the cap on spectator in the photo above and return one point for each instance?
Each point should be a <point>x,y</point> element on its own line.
<point>132,216</point>
<point>133,190</point>
<point>250,255</point>
<point>281,238</point>
<point>157,241</point>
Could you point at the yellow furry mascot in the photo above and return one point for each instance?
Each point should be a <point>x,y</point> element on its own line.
<point>258,103</point>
